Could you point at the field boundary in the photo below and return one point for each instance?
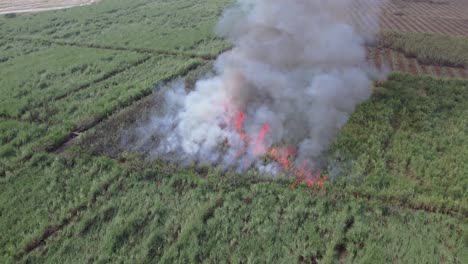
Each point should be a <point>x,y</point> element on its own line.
<point>119,48</point>
<point>6,118</point>
<point>459,213</point>
<point>399,61</point>
<point>51,230</point>
<point>72,216</point>
<point>20,10</point>
<point>101,79</point>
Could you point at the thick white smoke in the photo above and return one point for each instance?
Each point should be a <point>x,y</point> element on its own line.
<point>297,70</point>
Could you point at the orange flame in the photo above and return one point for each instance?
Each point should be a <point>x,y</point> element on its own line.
<point>239,123</point>
<point>260,145</point>
<point>283,156</point>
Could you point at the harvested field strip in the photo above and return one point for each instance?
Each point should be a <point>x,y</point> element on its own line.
<point>397,61</point>
<point>36,5</point>
<point>428,9</point>
<point>454,27</point>
<point>450,19</point>
<point>429,49</point>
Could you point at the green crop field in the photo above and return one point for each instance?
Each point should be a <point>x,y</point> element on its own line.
<point>73,81</point>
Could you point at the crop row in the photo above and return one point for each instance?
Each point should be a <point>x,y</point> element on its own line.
<point>171,26</point>
<point>409,139</point>
<point>69,89</point>
<point>397,61</point>
<point>158,213</point>
<point>421,16</point>
<point>35,78</point>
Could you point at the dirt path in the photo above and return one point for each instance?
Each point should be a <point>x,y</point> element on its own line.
<point>28,6</point>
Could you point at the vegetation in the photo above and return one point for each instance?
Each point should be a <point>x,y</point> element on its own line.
<point>71,86</point>
<point>53,72</point>
<point>183,25</point>
<point>160,214</point>
<point>408,143</point>
<point>428,48</point>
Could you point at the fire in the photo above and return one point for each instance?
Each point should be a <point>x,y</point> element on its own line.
<point>239,123</point>
<point>284,157</point>
<point>260,146</point>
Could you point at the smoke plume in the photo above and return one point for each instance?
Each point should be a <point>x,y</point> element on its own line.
<point>296,72</point>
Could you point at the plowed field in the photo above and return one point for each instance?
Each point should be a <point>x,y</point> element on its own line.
<point>433,16</point>
<point>397,61</point>
<point>25,6</point>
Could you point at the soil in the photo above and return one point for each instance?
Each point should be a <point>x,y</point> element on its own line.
<point>448,17</point>
<point>397,61</point>
<point>28,6</point>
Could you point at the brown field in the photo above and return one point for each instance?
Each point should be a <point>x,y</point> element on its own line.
<point>448,17</point>
<point>26,6</point>
<point>437,16</point>
<point>397,61</point>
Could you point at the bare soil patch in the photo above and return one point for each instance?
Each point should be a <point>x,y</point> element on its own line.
<point>27,6</point>
<point>448,17</point>
<point>397,61</point>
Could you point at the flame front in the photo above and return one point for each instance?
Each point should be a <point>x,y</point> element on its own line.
<point>285,157</point>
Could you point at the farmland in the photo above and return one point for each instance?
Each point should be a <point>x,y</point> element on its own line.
<point>75,82</point>
<point>27,6</point>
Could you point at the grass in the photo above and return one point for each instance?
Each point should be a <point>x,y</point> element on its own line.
<point>56,90</point>
<point>398,188</point>
<point>183,25</point>
<point>408,141</point>
<point>428,48</point>
<point>42,192</point>
<point>35,78</point>
<point>146,213</point>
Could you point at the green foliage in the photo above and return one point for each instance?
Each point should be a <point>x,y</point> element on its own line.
<point>410,140</point>
<point>183,25</point>
<point>57,90</point>
<point>42,191</point>
<point>177,216</point>
<point>35,78</point>
<point>398,189</point>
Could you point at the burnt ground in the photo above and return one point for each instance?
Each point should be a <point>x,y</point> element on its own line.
<point>115,136</point>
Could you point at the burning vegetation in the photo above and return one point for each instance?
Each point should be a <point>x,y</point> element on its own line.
<point>284,157</point>
<point>278,98</point>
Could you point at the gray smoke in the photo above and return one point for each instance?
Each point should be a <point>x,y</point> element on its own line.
<point>297,65</point>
